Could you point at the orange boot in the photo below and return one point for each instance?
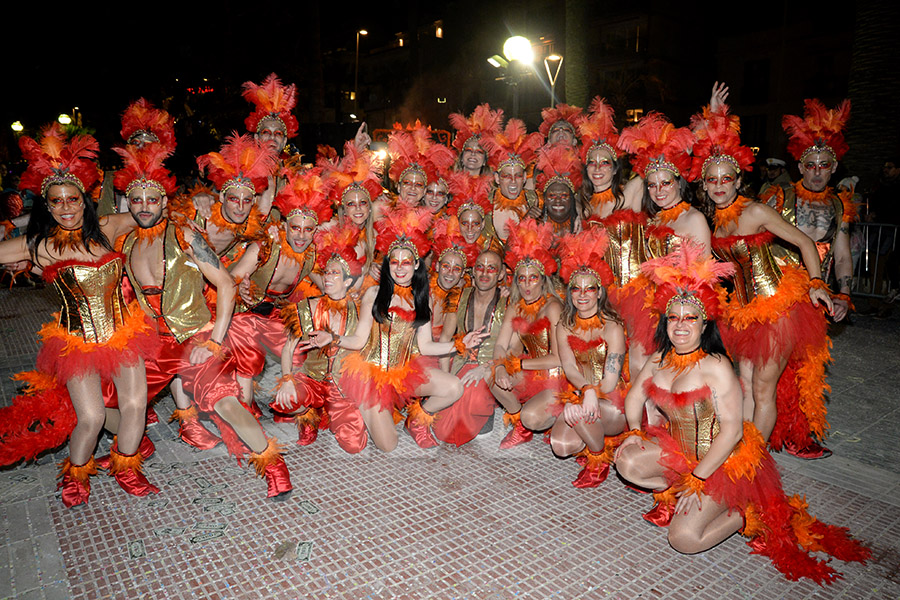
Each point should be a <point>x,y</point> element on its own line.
<point>518,434</point>
<point>418,424</point>
<point>76,487</point>
<point>270,464</point>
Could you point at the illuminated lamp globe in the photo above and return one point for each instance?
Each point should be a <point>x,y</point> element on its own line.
<point>518,48</point>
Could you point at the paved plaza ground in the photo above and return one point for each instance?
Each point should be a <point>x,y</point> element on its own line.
<point>473,522</point>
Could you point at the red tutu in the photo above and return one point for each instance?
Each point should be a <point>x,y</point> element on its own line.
<point>38,420</point>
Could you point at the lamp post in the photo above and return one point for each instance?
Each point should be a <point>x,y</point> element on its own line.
<point>518,52</point>
<point>359,32</point>
<point>552,77</point>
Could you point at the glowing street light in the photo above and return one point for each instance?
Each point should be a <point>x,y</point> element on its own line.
<point>17,126</point>
<point>558,59</point>
<point>359,32</point>
<point>64,119</point>
<point>518,48</point>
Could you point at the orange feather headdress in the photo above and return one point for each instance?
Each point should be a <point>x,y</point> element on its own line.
<point>306,195</point>
<point>144,168</point>
<point>584,253</point>
<point>58,161</point>
<point>657,145</point>
<point>404,227</point>
<point>513,146</point>
<point>482,124</point>
<point>469,193</point>
<point>529,244</point>
<point>820,129</point>
<point>718,140</point>
<point>447,238</point>
<point>563,115</point>
<point>242,162</point>
<point>688,276</point>
<point>271,99</point>
<point>141,117</point>
<point>339,243</point>
<point>558,163</point>
<point>414,150</point>
<point>352,172</point>
<point>597,129</point>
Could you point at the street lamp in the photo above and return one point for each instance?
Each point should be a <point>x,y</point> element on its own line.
<point>17,126</point>
<point>518,52</point>
<point>558,59</point>
<point>64,119</point>
<point>359,32</point>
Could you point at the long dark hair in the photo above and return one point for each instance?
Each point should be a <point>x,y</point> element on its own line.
<point>42,225</point>
<point>687,195</point>
<point>386,293</point>
<point>710,340</point>
<point>587,188</point>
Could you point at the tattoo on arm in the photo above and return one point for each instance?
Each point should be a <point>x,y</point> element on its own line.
<point>614,362</point>
<point>844,282</point>
<point>202,251</point>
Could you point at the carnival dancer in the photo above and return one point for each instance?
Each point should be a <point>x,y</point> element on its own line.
<point>661,157</point>
<point>311,394</point>
<point>512,152</point>
<point>417,163</point>
<point>472,155</point>
<point>558,177</point>
<point>472,210</point>
<point>710,471</point>
<point>277,271</point>
<point>393,340</point>
<point>560,125</point>
<point>772,326</point>
<point>96,337</point>
<point>591,340</point>
<point>527,375</point>
<point>481,306</point>
<point>452,259</point>
<point>168,263</point>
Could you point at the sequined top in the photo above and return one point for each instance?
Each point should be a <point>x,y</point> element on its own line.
<point>322,362</point>
<point>692,418</point>
<point>756,271</point>
<point>590,356</point>
<point>91,296</point>
<point>393,342</point>
<point>627,247</point>
<point>485,352</point>
<point>662,241</point>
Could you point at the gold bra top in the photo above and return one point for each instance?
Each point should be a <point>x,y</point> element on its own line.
<point>756,272</point>
<point>661,241</point>
<point>392,343</point>
<point>91,295</point>
<point>535,336</point>
<point>627,248</point>
<point>591,357</point>
<point>692,418</point>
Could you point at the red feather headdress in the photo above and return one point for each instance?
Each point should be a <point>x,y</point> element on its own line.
<point>513,146</point>
<point>271,99</point>
<point>352,172</point>
<point>718,140</point>
<point>469,193</point>
<point>340,244</point>
<point>584,253</point>
<point>404,227</point>
<point>561,116</point>
<point>482,124</point>
<point>141,117</point>
<point>447,238</point>
<point>820,129</point>
<point>658,145</point>
<point>144,168</point>
<point>414,150</point>
<point>558,163</point>
<point>57,161</point>
<point>598,130</point>
<point>529,244</point>
<point>242,162</point>
<point>688,276</point>
<point>306,195</point>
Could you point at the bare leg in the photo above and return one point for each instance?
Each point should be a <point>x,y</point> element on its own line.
<point>564,440</point>
<point>87,399</point>
<point>765,385</point>
<point>380,424</point>
<point>112,420</point>
<point>536,414</point>
<point>701,529</point>
<point>182,400</point>
<point>244,423</point>
<point>246,384</point>
<point>745,367</point>
<point>507,398</point>
<point>131,387</point>
<point>442,390</point>
<point>639,464</point>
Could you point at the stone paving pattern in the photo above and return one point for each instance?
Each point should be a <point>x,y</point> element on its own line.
<point>472,522</point>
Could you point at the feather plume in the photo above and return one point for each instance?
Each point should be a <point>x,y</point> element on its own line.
<point>584,250</point>
<point>689,270</point>
<point>339,241</point>
<point>564,112</point>
<point>271,98</point>
<point>144,163</point>
<point>241,158</point>
<point>56,157</point>
<point>819,127</point>
<point>354,169</point>
<point>404,225</point>
<point>653,139</point>
<point>530,240</point>
<point>558,163</point>
<point>307,194</point>
<point>482,123</point>
<point>141,115</point>
<point>718,136</point>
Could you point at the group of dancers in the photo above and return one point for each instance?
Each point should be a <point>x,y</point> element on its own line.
<point>512,268</point>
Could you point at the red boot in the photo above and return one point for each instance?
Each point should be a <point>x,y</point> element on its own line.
<point>810,451</point>
<point>152,417</point>
<point>308,426</point>
<point>255,410</point>
<point>661,514</point>
<point>192,431</point>
<point>518,434</point>
<point>127,471</point>
<point>146,448</point>
<point>76,487</point>
<point>595,471</point>
<point>270,464</point>
<point>418,424</point>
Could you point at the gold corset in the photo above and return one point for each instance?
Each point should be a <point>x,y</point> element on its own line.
<point>756,272</point>
<point>627,249</point>
<point>662,246</point>
<point>92,302</point>
<point>693,426</point>
<point>392,343</point>
<point>591,362</point>
<point>537,344</point>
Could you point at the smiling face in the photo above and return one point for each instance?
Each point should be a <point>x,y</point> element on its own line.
<point>237,203</point>
<point>335,280</point>
<point>299,231</point>
<point>488,271</point>
<point>561,132</point>
<point>585,293</point>
<point>600,169</point>
<point>721,183</point>
<point>530,283</point>
<point>357,207</point>
<point>473,158</point>
<point>271,133</point>
<point>450,270</point>
<point>816,169</point>
<point>412,188</point>
<point>559,200</point>
<point>663,189</point>
<point>402,264</point>
<point>684,326</point>
<point>66,204</point>
<point>471,224</point>
<point>511,180</point>
<point>435,196</point>
<point>146,206</point>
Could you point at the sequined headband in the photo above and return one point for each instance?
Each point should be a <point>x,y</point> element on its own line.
<point>455,249</point>
<point>275,116</point>
<point>603,146</point>
<point>141,132</point>
<point>145,184</point>
<point>415,167</point>
<point>819,146</point>
<point>661,164</point>
<point>355,187</point>
<point>530,262</point>
<point>404,243</point>
<point>560,179</point>
<point>344,264</point>
<point>719,159</point>
<point>470,206</point>
<point>237,182</point>
<point>513,160</point>
<point>584,270</point>
<point>61,178</point>
<point>303,212</point>
<point>687,297</point>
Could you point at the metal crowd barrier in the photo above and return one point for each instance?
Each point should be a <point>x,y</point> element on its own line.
<point>871,261</point>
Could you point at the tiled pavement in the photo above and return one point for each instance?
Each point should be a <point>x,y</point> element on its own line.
<point>472,522</point>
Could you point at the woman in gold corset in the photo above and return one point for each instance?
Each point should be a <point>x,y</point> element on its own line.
<point>709,470</point>
<point>773,327</point>
<point>96,335</point>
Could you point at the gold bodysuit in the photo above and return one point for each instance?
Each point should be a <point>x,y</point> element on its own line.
<point>692,418</point>
<point>627,248</point>
<point>391,343</point>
